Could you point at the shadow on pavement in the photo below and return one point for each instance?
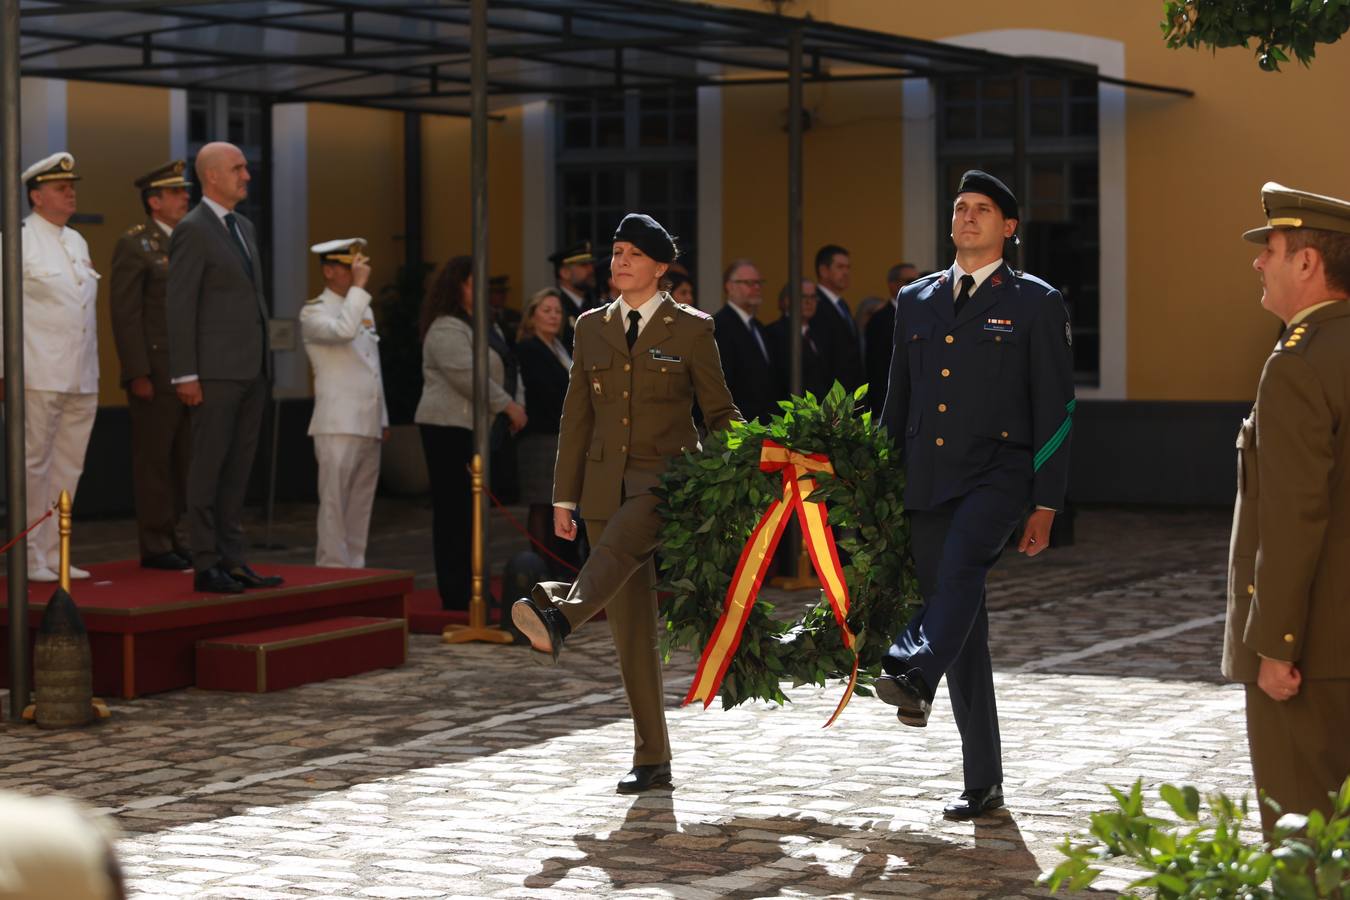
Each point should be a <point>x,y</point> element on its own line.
<point>747,856</point>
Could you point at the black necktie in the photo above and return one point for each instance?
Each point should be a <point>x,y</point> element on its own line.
<point>634,317</point>
<point>233,224</point>
<point>967,282</point>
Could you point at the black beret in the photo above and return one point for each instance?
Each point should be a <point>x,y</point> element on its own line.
<point>979,182</point>
<point>645,233</point>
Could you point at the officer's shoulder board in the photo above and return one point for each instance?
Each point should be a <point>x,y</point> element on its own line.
<point>591,313</point>
<point>1033,280</point>
<point>693,311</point>
<point>1295,339</point>
<point>135,229</point>
<point>314,300</point>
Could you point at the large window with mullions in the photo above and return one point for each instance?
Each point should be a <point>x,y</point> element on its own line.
<point>631,152</point>
<point>1057,188</point>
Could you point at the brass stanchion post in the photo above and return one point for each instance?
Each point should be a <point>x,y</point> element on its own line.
<point>478,628</point>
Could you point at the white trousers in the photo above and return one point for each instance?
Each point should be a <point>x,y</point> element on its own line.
<point>56,435</point>
<point>349,468</point>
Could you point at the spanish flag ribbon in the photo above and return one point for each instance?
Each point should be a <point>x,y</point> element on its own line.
<point>798,484</point>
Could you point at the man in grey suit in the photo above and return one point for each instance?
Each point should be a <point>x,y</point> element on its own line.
<point>219,364</point>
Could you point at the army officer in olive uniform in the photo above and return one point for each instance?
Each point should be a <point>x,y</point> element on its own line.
<point>161,442</point>
<point>1288,613</point>
<point>638,365</point>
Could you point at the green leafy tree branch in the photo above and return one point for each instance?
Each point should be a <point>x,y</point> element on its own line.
<point>1279,27</point>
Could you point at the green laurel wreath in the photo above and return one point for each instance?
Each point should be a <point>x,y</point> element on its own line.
<point>710,503</point>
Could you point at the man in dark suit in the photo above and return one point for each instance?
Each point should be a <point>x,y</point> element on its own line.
<point>814,377</point>
<point>981,402</point>
<point>161,438</point>
<point>877,336</point>
<point>747,361</point>
<point>835,331</point>
<point>219,364</point>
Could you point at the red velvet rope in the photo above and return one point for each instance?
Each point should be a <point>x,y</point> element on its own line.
<point>501,507</point>
<point>23,534</point>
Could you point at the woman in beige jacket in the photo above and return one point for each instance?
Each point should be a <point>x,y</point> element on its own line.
<point>445,417</point>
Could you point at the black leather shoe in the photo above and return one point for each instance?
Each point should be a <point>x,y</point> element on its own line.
<point>544,628</point>
<point>909,693</point>
<point>251,579</point>
<point>186,554</point>
<point>170,561</point>
<point>644,777</point>
<point>974,802</point>
<point>216,581</point>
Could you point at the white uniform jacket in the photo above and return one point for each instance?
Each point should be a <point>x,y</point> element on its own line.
<point>340,339</point>
<point>60,312</point>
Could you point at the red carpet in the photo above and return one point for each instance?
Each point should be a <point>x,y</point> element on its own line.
<point>144,624</point>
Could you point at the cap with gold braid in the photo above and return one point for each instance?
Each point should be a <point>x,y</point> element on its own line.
<point>169,175</point>
<point>57,167</point>
<point>1288,208</point>
<point>343,250</point>
<point>579,252</point>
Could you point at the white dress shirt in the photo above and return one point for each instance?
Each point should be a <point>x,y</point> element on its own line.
<point>621,309</point>
<point>980,275</point>
<point>60,313</point>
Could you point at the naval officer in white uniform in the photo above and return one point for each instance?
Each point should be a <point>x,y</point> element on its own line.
<point>350,418</point>
<point>60,352</point>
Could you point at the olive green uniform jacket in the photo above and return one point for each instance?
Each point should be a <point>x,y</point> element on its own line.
<point>1289,563</point>
<point>627,413</point>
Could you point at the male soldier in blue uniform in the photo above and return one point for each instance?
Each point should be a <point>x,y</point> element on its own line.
<point>980,397</point>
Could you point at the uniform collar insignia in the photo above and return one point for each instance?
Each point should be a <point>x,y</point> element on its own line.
<point>668,319</point>
<point>996,279</point>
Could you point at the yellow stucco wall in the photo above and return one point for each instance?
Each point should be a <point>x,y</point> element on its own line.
<point>447,205</point>
<point>1194,168</point>
<point>851,181</point>
<point>116,134</point>
<point>355,161</point>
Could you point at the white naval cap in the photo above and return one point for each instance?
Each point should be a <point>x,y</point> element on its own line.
<point>342,250</point>
<point>57,167</point>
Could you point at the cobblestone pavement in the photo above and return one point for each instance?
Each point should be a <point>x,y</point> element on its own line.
<point>470,773</point>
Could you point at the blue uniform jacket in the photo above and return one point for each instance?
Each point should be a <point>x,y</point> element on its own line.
<point>986,398</point>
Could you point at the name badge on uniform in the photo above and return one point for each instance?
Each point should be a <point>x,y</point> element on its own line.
<point>663,357</point>
<point>1001,325</point>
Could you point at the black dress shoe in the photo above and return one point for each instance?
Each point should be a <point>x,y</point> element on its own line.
<point>249,578</point>
<point>974,802</point>
<point>185,554</point>
<point>909,693</point>
<point>544,628</point>
<point>169,561</point>
<point>644,777</point>
<point>216,581</point>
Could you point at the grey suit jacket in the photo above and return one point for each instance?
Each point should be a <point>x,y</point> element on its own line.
<point>217,315</point>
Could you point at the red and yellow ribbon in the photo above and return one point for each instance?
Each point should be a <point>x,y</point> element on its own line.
<point>798,483</point>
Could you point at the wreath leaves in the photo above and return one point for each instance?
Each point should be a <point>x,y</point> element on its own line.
<point>711,501</point>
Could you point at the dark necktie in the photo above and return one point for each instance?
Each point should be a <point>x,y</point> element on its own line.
<point>962,295</point>
<point>755,330</point>
<point>233,224</point>
<point>634,317</point>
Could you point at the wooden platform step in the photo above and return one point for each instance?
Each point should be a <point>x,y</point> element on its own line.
<point>274,659</point>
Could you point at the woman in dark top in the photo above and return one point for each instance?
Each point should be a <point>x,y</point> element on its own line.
<point>544,367</point>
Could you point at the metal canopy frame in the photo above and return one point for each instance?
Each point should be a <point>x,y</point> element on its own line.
<point>451,57</point>
<point>416,57</point>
